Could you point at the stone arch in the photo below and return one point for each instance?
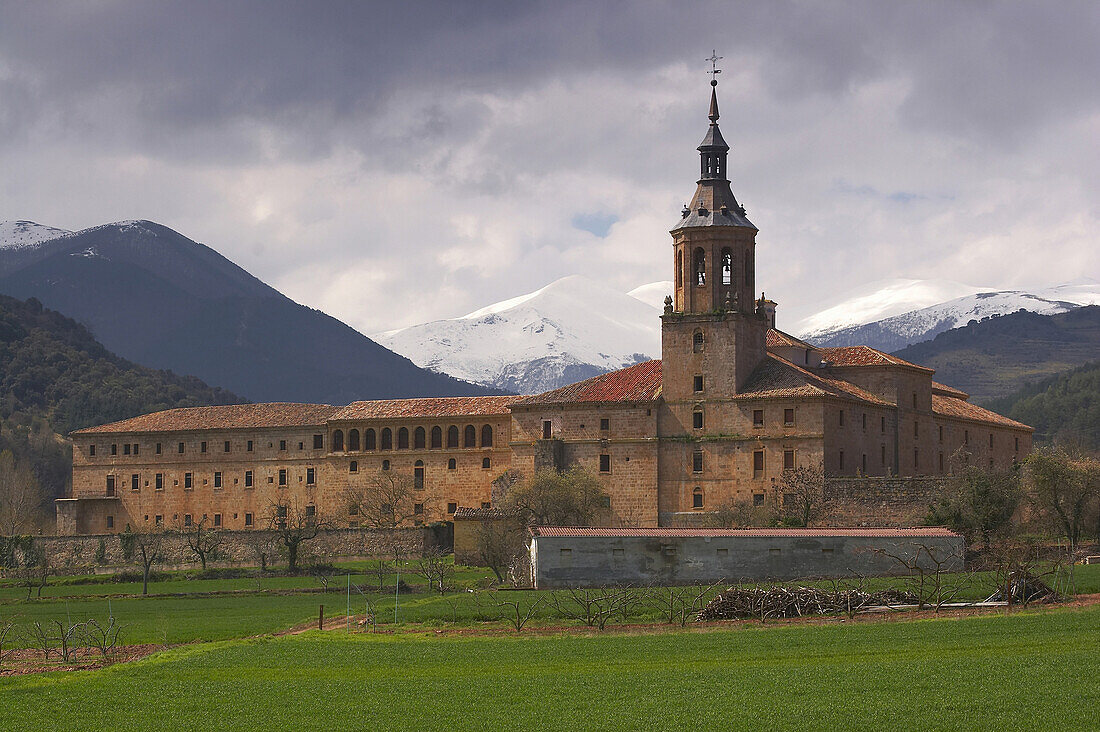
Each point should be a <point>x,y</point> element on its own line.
<point>418,438</point>
<point>353,440</point>
<point>338,440</point>
<point>469,436</point>
<point>370,440</point>
<point>387,438</point>
<point>437,437</point>
<point>487,435</point>
<point>452,436</point>
<point>403,438</point>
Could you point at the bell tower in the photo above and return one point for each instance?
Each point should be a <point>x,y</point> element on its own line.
<point>712,335</point>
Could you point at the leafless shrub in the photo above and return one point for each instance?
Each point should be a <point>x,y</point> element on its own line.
<point>38,636</point>
<point>65,635</point>
<point>930,574</point>
<point>104,638</point>
<point>595,607</point>
<point>435,569</point>
<point>6,628</point>
<point>680,604</point>
<point>516,608</point>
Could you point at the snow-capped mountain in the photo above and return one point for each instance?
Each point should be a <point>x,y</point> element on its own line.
<point>845,324</point>
<point>569,330</point>
<point>654,293</point>
<point>23,234</point>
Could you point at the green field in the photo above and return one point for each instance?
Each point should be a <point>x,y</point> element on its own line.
<point>1027,670</point>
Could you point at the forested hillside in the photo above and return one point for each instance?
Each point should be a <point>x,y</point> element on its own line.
<point>1062,407</point>
<point>993,358</point>
<point>55,377</point>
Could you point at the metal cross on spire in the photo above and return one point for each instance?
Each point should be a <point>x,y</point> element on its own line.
<point>714,70</point>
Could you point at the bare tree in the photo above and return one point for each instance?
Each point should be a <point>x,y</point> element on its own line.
<point>103,638</point>
<point>203,541</point>
<point>387,501</point>
<point>499,542</point>
<point>6,627</point>
<point>36,634</point>
<point>264,546</point>
<point>517,608</point>
<point>21,497</point>
<point>932,573</point>
<point>295,524</point>
<point>595,607</point>
<point>66,634</point>
<point>803,491</point>
<point>35,570</point>
<point>1062,485</point>
<point>680,604</point>
<point>149,548</point>
<point>573,498</point>
<point>435,569</point>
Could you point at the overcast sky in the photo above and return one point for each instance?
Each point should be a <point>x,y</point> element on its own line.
<point>396,162</point>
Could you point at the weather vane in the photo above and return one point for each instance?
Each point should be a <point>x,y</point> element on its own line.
<point>714,70</point>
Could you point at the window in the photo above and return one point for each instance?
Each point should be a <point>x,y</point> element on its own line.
<point>418,509</point>
<point>282,476</point>
<point>452,436</point>
<point>916,429</point>
<point>202,447</point>
<point>863,463</point>
<point>486,463</point>
<point>110,522</point>
<point>353,466</point>
<point>697,341</point>
<point>941,462</point>
<point>727,266</point>
<point>546,431</point>
<point>385,465</point>
<point>158,520</point>
<point>788,417</point>
<point>697,383</point>
<point>605,463</point>
<point>679,269</point>
<point>217,519</point>
<point>188,481</point>
<point>452,464</point>
<point>882,456</point>
<point>487,435</point>
<point>353,510</point>
<point>137,448</point>
<point>311,476</point>
<point>180,449</point>
<point>226,449</point>
<point>788,459</point>
<point>157,450</point>
<point>452,507</point>
<point>403,438</point>
<point>387,438</point>
<point>319,442</point>
<point>126,449</point>
<point>248,479</point>
<point>842,460</point>
<point>882,425</point>
<point>353,440</point>
<point>758,499</point>
<point>419,438</point>
<point>282,445</point>
<point>217,479</point>
<point>248,519</point>
<point>110,485</point>
<point>158,481</point>
<point>248,446</point>
<point>941,432</point>
<point>337,441</point>
<point>135,482</point>
<point>865,420</point>
<point>437,437</point>
<point>758,418</point>
<point>418,475</point>
<point>370,440</point>
<point>990,440</point>
<point>114,449</point>
<point>605,424</point>
<point>1017,448</point>
<point>758,464</point>
<point>914,400</point>
<point>91,450</point>
<point>697,498</point>
<point>966,437</point>
<point>697,419</point>
<point>699,266</point>
<point>697,461</point>
<point>916,457</point>
<point>469,436</point>
<point>841,417</point>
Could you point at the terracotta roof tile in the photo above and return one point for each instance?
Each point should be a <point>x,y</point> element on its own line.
<point>677,533</point>
<point>947,406</point>
<point>778,378</point>
<point>638,383</point>
<point>865,356</point>
<point>938,388</point>
<point>426,407</point>
<point>236,416</point>
<point>778,339</point>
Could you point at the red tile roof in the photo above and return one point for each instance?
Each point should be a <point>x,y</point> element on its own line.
<point>638,383</point>
<point>658,533</point>
<point>778,378</point>
<point>236,416</point>
<point>865,356</point>
<point>947,406</point>
<point>426,407</point>
<point>938,388</point>
<point>778,339</point>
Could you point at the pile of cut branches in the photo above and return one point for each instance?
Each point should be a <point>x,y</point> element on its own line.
<point>792,602</point>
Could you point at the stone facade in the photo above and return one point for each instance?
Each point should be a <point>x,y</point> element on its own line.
<point>732,404</point>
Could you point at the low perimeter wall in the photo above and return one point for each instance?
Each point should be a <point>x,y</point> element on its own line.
<point>595,561</point>
<point>91,553</point>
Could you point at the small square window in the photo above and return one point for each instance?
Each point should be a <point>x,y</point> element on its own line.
<point>217,519</point>
<point>202,447</point>
<point>452,464</point>
<point>110,522</point>
<point>758,418</point>
<point>788,417</point>
<point>788,459</point>
<point>353,466</point>
<point>282,445</point>
<point>248,447</point>
<point>486,463</point>
<point>758,499</point>
<point>452,507</point>
<point>697,383</point>
<point>158,520</point>
<point>248,519</point>
<point>126,449</point>
<point>418,509</point>
<point>605,424</point>
<point>114,450</point>
<point>318,442</point>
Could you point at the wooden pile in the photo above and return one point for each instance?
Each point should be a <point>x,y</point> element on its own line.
<point>792,602</point>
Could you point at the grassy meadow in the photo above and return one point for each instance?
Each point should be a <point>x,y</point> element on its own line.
<point>1025,670</point>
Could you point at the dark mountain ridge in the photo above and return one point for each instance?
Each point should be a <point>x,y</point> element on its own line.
<point>156,297</point>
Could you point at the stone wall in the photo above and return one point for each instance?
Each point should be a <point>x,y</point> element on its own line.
<point>78,554</point>
<point>877,501</point>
